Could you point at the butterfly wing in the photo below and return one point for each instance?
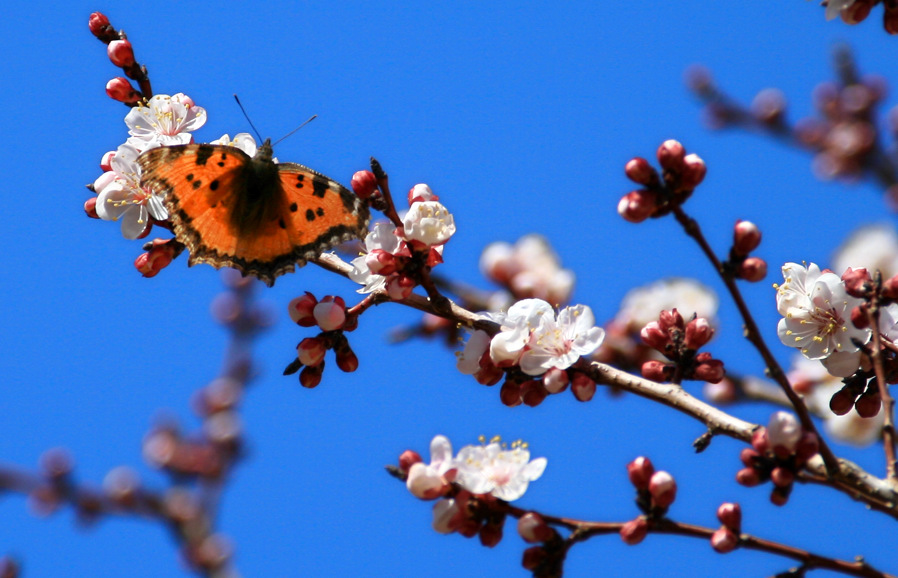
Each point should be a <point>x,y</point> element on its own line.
<point>263,219</point>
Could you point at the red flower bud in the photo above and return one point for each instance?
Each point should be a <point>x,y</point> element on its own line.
<point>857,282</point>
<point>634,531</point>
<point>640,171</point>
<point>857,13</point>
<point>710,370</point>
<point>637,206</point>
<point>583,387</point>
<point>753,269</point>
<point>670,319</point>
<point>889,20</point>
<point>657,371</point>
<point>156,259</point>
<point>120,53</point>
<point>364,184</point>
<point>640,472</point>
<point>301,309</point>
<point>859,316</point>
<point>868,404</point>
<point>510,393</point>
<point>730,515</point>
<point>724,540</point>
<point>90,208</point>
<point>311,376</point>
<point>533,528</point>
<point>747,456</point>
<point>663,489</point>
<point>782,477</point>
<point>347,360</point>
<point>533,557</point>
<point>99,25</point>
<point>748,477</point>
<point>698,333</point>
<point>407,459</point>
<point>890,287</point>
<point>842,401</point>
<point>533,392</point>
<point>692,173</point>
<point>655,337</point>
<point>120,89</point>
<point>671,154</point>
<point>746,237</point>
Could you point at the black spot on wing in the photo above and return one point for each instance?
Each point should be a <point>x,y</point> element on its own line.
<point>203,152</point>
<point>197,184</point>
<point>310,215</point>
<point>293,207</point>
<point>214,185</point>
<point>319,211</point>
<point>320,186</point>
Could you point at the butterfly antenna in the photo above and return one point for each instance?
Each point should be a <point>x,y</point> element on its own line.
<point>311,118</point>
<point>247,118</point>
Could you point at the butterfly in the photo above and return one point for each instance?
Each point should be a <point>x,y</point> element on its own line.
<point>250,213</point>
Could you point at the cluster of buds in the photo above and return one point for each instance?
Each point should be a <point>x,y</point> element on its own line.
<point>726,538</point>
<point>681,173</point>
<point>58,486</point>
<point>546,558</point>
<point>519,388</point>
<point>860,393</point>
<point>400,254</point>
<point>655,492</point>
<point>331,316</point>
<point>121,54</point>
<point>778,453</point>
<point>856,11</point>
<point>679,342</point>
<point>746,238</point>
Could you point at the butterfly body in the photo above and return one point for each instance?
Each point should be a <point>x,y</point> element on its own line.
<point>260,217</point>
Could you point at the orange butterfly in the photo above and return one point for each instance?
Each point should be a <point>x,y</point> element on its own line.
<point>250,213</point>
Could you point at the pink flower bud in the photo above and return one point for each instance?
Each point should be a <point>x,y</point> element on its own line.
<point>425,483</point>
<point>634,531</point>
<point>746,237</point>
<point>857,282</point>
<point>533,528</point>
<point>120,53</point>
<point>106,161</point>
<point>640,472</point>
<point>698,333</point>
<point>310,351</point>
<point>330,313</point>
<point>533,393</point>
<point>556,380</point>
<point>533,557</point>
<point>782,477</point>
<point>90,208</point>
<point>671,319</point>
<point>842,401</point>
<point>583,387</point>
<point>890,287</point>
<point>753,269</point>
<point>663,489</point>
<point>637,206</point>
<point>655,337</point>
<point>491,534</point>
<point>380,262</point>
<point>889,20</point>
<point>510,393</point>
<point>300,309</point>
<point>692,173</point>
<point>730,515</point>
<point>658,371</point>
<point>640,171</point>
<point>724,540</point>
<point>748,456</point>
<point>310,376</point>
<point>99,25</point>
<point>748,477</point>
<point>347,360</point>
<point>364,184</point>
<point>760,441</point>
<point>859,316</point>
<point>120,89</point>
<point>783,433</point>
<point>399,287</point>
<point>856,13</point>
<point>158,258</point>
<point>779,496</point>
<point>868,404</point>
<point>421,193</point>
<point>407,459</point>
<point>808,446</point>
<point>710,370</point>
<point>671,154</point>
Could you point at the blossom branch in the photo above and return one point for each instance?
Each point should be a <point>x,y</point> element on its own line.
<point>888,403</point>
<point>691,227</point>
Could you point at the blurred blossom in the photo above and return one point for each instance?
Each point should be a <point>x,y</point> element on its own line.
<point>642,305</point>
<point>529,268</point>
<point>495,469</point>
<point>872,247</point>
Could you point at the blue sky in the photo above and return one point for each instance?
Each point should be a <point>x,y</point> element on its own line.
<point>521,117</point>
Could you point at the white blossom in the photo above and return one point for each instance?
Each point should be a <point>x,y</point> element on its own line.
<point>164,120</point>
<point>494,469</point>
<point>120,196</point>
<point>429,223</point>
<point>642,305</point>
